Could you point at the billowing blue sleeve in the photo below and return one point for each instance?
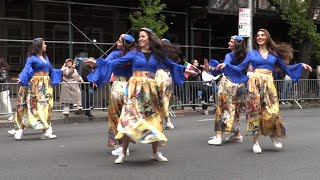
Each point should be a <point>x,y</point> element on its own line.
<point>100,74</point>
<point>236,73</point>
<point>176,70</point>
<point>293,71</point>
<point>104,69</point>
<point>214,63</point>
<point>227,59</point>
<point>24,75</point>
<point>113,55</point>
<point>55,74</point>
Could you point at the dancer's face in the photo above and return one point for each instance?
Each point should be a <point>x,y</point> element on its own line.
<point>143,39</point>
<point>231,43</point>
<point>261,38</point>
<point>44,47</point>
<point>120,43</point>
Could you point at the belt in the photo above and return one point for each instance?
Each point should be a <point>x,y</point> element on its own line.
<point>146,74</point>
<point>263,71</point>
<point>41,73</point>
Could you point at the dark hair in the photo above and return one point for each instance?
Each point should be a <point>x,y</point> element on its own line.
<point>160,49</point>
<point>283,50</point>
<point>36,47</point>
<point>128,46</point>
<point>4,64</point>
<point>240,50</point>
<point>172,51</point>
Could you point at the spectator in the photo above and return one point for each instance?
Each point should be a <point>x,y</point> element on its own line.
<point>70,90</point>
<point>286,89</point>
<point>87,89</point>
<point>5,104</point>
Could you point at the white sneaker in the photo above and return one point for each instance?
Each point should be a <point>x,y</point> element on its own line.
<point>170,125</point>
<point>18,134</point>
<point>159,157</point>
<point>205,112</point>
<point>49,130</point>
<point>277,144</point>
<point>12,132</point>
<point>256,148</point>
<point>235,139</point>
<point>48,134</point>
<point>121,159</point>
<point>10,118</point>
<point>118,151</point>
<point>215,141</point>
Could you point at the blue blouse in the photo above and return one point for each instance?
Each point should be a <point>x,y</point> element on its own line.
<point>35,64</point>
<point>231,58</point>
<point>258,62</point>
<point>121,70</point>
<point>139,63</point>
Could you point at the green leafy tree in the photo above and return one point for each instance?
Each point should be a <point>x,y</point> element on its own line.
<point>299,14</point>
<point>150,17</point>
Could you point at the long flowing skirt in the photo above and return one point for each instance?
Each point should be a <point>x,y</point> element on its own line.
<point>141,113</point>
<point>21,116</point>
<point>116,101</point>
<point>164,82</point>
<point>231,101</point>
<point>39,101</point>
<point>263,117</point>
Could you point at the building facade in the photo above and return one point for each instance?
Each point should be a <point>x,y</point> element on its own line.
<point>202,28</point>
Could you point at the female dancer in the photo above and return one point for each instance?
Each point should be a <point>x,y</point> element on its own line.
<point>141,114</point>
<point>122,73</point>
<point>40,94</point>
<point>230,97</point>
<point>164,82</point>
<point>262,106</point>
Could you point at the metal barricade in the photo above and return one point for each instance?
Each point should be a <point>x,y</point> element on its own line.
<point>91,97</point>
<point>190,94</point>
<point>195,93</point>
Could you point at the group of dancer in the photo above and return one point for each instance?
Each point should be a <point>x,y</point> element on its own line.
<point>260,99</point>
<point>140,94</point>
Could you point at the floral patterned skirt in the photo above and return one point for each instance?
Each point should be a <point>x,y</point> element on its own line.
<point>21,108</point>
<point>231,101</point>
<point>39,101</point>
<point>116,100</point>
<point>263,117</point>
<point>164,82</point>
<point>141,113</point>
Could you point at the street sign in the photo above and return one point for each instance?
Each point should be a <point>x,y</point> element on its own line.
<point>244,22</point>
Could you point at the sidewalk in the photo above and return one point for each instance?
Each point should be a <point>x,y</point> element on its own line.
<point>101,115</point>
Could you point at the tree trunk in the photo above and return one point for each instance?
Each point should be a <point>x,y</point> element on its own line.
<point>305,55</point>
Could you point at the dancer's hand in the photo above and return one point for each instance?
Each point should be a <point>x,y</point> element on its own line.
<point>307,67</point>
<point>18,80</point>
<point>94,85</point>
<point>221,66</point>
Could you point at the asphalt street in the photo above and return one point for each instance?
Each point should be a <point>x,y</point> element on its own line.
<point>80,153</point>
